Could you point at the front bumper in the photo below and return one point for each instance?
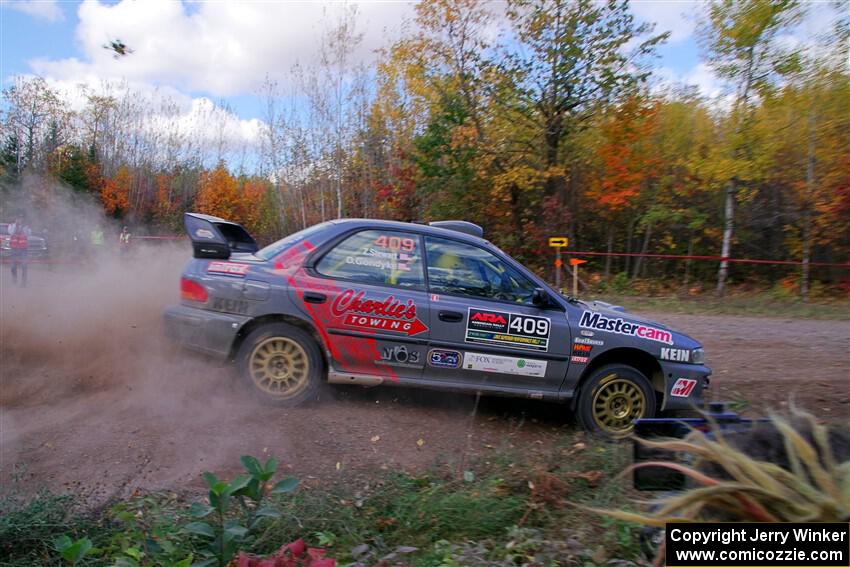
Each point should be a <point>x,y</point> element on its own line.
<point>684,385</point>
<point>210,332</point>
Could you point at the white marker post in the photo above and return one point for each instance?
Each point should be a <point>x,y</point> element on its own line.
<point>574,262</point>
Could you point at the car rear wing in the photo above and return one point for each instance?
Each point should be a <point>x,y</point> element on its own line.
<point>216,238</point>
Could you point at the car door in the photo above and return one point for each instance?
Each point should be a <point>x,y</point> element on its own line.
<point>367,294</point>
<point>485,330</point>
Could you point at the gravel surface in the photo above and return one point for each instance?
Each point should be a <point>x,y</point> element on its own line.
<point>91,398</point>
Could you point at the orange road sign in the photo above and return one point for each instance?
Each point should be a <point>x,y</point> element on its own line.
<point>558,263</point>
<point>558,241</point>
<point>576,261</point>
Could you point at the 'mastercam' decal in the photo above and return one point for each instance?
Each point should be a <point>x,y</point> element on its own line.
<point>622,327</point>
<point>509,329</point>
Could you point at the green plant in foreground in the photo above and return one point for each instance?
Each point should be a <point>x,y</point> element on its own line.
<point>72,551</point>
<point>147,533</point>
<point>231,527</point>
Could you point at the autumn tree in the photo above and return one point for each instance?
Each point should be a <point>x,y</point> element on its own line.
<point>218,195</point>
<point>115,193</point>
<point>739,41</point>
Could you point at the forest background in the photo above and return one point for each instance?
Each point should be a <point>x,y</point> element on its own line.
<point>532,118</point>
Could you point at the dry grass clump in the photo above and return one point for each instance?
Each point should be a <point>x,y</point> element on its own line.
<point>783,470</point>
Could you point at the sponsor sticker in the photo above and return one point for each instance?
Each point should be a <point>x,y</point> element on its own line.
<point>388,314</point>
<point>682,388</point>
<point>510,329</point>
<point>579,359</point>
<point>440,358</point>
<point>675,354</point>
<point>400,355</point>
<point>204,233</point>
<point>228,268</point>
<point>583,341</point>
<point>582,348</point>
<point>620,326</point>
<point>586,333</point>
<point>504,364</point>
<point>435,297</point>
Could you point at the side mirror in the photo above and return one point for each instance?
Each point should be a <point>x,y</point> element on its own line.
<point>539,297</point>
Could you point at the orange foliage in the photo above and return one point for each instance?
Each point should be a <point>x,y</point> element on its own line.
<point>115,192</point>
<point>218,195</point>
<point>626,155</point>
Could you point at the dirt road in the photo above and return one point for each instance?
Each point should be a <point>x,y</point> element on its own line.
<point>91,398</point>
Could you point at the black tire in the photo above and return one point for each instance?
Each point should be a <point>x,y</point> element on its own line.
<point>282,364</point>
<point>612,398</point>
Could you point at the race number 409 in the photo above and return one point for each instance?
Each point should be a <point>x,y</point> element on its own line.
<point>532,326</point>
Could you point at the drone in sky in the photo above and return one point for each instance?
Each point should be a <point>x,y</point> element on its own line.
<point>119,47</point>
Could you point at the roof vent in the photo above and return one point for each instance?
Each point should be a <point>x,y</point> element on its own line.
<point>469,228</point>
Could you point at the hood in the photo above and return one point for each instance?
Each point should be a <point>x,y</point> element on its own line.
<point>610,310</point>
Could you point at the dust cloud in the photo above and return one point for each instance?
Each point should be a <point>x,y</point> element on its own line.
<point>83,360</point>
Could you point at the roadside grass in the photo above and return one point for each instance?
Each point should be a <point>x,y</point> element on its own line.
<point>511,505</point>
<point>764,304</point>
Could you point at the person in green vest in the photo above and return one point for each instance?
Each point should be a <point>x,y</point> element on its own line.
<point>96,240</point>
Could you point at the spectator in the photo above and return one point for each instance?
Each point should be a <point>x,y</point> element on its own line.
<point>19,243</point>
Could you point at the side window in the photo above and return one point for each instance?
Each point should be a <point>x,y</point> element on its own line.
<point>462,269</point>
<point>380,257</point>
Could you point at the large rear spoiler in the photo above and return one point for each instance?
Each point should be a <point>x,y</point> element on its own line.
<point>217,238</point>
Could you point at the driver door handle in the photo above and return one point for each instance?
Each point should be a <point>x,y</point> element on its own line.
<point>451,316</point>
<point>313,297</point>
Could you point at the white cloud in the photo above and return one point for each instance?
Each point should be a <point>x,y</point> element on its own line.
<point>43,9</point>
<point>220,48</point>
<point>217,131</point>
<point>701,78</point>
<point>675,16</point>
<point>706,81</point>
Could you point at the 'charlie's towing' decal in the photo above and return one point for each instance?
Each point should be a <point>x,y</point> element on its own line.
<point>621,327</point>
<point>388,314</point>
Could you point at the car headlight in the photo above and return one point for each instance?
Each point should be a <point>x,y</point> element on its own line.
<point>698,356</point>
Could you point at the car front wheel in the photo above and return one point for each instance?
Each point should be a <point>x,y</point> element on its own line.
<point>282,363</point>
<point>612,398</point>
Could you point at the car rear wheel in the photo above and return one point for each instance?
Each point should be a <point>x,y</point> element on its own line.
<point>282,363</point>
<point>612,398</point>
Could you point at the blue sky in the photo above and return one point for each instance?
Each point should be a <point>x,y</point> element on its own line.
<point>221,51</point>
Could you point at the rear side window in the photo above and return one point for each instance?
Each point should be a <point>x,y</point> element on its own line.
<point>378,257</point>
<point>276,248</point>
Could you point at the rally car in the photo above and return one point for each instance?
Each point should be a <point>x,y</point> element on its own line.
<point>372,302</point>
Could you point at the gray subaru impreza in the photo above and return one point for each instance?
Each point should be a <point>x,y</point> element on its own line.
<point>374,302</point>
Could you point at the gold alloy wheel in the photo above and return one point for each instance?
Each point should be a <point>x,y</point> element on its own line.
<point>617,403</point>
<point>279,367</point>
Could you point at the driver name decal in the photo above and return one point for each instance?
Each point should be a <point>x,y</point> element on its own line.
<point>484,326</point>
<point>228,268</point>
<point>389,314</point>
<point>623,327</point>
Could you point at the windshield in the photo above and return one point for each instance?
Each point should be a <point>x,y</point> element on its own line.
<point>279,246</point>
